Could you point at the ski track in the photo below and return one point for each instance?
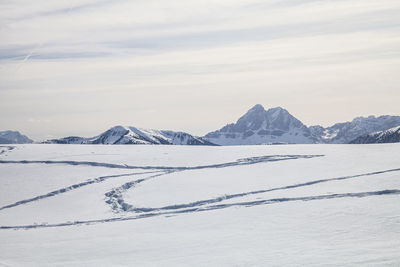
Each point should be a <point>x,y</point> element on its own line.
<point>114,198</point>
<point>70,188</point>
<point>245,161</point>
<point>5,149</point>
<point>129,208</point>
<point>213,207</point>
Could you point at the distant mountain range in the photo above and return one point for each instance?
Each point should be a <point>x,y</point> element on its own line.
<point>13,137</point>
<point>257,126</point>
<point>133,135</point>
<point>277,125</point>
<point>343,133</point>
<point>260,126</point>
<point>388,136</point>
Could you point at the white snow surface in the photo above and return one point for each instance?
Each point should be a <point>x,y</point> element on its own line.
<point>143,205</point>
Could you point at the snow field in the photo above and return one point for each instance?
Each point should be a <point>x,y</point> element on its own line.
<point>294,205</point>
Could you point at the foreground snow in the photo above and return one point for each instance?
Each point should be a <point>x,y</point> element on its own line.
<point>144,205</point>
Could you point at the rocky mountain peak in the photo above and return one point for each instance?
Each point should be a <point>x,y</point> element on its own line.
<point>391,135</point>
<point>258,126</point>
<point>256,108</point>
<point>14,137</point>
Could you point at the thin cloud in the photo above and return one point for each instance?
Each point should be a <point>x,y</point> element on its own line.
<point>112,57</point>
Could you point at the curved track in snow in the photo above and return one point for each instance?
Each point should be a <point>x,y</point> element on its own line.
<point>244,161</point>
<point>115,197</point>
<point>213,207</point>
<point>127,207</point>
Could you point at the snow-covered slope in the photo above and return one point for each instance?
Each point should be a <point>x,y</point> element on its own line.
<point>343,133</point>
<point>389,136</point>
<point>163,205</point>
<point>277,125</point>
<point>13,137</point>
<point>133,135</point>
<point>260,126</point>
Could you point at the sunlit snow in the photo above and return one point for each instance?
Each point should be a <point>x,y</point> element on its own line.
<point>144,205</point>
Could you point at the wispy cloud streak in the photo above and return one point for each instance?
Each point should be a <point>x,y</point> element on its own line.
<point>241,50</point>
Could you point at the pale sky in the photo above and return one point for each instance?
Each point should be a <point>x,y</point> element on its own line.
<point>79,67</point>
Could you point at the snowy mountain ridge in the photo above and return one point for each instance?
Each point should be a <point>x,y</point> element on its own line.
<point>133,135</point>
<point>388,136</point>
<point>343,133</point>
<point>13,137</point>
<point>257,126</point>
<point>277,125</point>
<point>260,126</point>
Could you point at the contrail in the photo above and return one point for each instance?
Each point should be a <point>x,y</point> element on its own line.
<point>27,57</point>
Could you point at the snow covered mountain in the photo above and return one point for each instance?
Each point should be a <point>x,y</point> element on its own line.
<point>260,126</point>
<point>343,133</point>
<point>257,126</point>
<point>133,135</point>
<point>389,136</point>
<point>13,137</point>
<point>277,125</point>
